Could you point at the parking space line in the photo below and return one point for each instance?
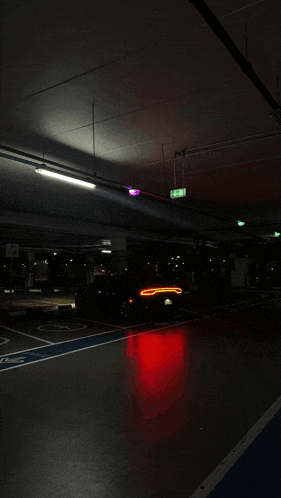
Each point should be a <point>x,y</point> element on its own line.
<point>234,471</point>
<point>95,321</point>
<point>12,360</point>
<point>226,309</point>
<point>46,302</point>
<point>53,350</point>
<point>84,337</point>
<point>5,341</point>
<point>27,335</point>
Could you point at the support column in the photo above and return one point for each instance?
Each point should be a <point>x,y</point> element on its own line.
<point>90,270</point>
<point>240,275</point>
<point>118,255</point>
<point>29,280</point>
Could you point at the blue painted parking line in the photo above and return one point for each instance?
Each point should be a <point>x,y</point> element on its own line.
<point>22,358</point>
<point>252,468</point>
<point>42,353</point>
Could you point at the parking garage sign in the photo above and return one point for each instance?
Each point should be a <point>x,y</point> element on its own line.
<point>12,250</point>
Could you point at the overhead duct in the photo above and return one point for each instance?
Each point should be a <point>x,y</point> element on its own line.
<point>245,65</point>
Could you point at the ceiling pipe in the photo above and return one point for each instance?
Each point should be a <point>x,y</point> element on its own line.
<point>245,65</point>
<point>102,182</point>
<point>97,179</point>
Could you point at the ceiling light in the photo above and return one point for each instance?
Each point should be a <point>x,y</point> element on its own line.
<point>105,250</point>
<point>65,178</point>
<point>133,191</point>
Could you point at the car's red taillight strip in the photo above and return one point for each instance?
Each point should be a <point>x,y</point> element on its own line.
<point>156,290</point>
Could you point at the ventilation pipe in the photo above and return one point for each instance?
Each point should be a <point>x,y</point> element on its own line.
<point>245,65</point>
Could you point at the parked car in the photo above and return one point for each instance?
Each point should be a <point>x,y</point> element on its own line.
<point>127,295</point>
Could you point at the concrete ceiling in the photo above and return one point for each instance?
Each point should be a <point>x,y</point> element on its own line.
<point>171,108</point>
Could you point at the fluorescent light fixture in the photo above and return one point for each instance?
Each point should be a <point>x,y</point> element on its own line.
<point>65,178</point>
<point>106,250</point>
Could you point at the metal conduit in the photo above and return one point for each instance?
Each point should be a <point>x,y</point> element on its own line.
<point>245,65</point>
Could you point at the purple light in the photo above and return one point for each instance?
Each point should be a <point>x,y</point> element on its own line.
<point>134,192</point>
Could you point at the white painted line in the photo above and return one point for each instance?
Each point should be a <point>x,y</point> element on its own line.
<point>26,350</point>
<point>115,340</point>
<point>110,332</point>
<point>87,347</point>
<point>5,340</point>
<point>219,472</point>
<point>28,335</point>
<point>95,321</point>
<point>48,302</point>
<point>100,333</point>
<point>56,327</point>
<point>110,324</point>
<point>246,304</point>
<point>138,325</point>
<point>84,337</point>
<point>51,303</point>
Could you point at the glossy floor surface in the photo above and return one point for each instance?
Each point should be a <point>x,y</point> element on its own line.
<point>138,410</point>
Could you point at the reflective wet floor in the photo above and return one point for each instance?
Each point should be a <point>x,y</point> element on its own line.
<point>146,410</point>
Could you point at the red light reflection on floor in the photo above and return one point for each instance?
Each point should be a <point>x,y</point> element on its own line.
<point>158,364</point>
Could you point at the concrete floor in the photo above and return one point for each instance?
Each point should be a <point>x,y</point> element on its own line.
<point>147,416</point>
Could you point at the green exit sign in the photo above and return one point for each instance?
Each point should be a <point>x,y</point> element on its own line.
<point>180,192</point>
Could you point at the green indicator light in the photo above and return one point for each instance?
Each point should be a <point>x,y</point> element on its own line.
<point>276,234</point>
<point>55,253</point>
<point>180,192</point>
<point>240,223</point>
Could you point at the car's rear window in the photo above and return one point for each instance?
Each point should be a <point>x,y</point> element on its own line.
<point>132,283</point>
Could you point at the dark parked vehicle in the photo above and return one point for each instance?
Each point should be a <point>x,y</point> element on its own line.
<point>127,295</point>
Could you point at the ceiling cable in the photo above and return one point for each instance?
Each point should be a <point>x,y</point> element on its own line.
<point>234,51</point>
<point>246,41</point>
<point>126,113</point>
<point>85,73</point>
<point>94,144</point>
<point>221,145</point>
<point>191,169</point>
